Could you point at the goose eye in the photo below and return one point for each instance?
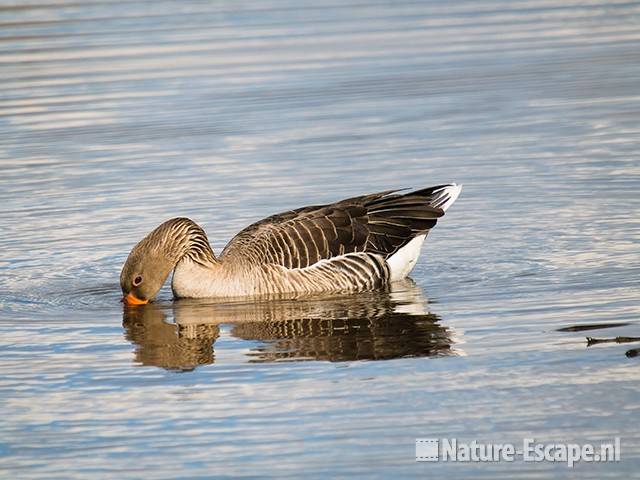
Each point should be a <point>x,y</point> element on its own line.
<point>137,281</point>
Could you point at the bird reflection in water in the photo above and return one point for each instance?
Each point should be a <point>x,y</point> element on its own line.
<point>369,326</point>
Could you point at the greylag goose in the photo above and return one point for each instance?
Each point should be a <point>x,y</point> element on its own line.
<point>357,244</point>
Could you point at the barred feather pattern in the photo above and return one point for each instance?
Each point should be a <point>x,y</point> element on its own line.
<point>179,238</point>
<point>346,273</point>
<point>340,247</point>
<point>379,223</point>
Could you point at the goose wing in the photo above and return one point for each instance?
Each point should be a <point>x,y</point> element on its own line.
<point>380,223</point>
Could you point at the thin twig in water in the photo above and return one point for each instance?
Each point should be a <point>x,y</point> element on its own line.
<point>593,341</point>
<point>591,326</point>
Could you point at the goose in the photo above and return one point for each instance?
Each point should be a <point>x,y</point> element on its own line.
<point>358,244</point>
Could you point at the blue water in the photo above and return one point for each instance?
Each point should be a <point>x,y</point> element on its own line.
<point>115,116</point>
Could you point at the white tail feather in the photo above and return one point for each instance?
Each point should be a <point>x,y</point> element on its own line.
<point>444,197</point>
<point>402,262</point>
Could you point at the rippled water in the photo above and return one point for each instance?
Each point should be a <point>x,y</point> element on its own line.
<point>115,116</point>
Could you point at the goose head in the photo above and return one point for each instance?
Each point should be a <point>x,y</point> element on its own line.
<point>156,255</point>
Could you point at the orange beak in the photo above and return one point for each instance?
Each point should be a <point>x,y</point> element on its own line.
<point>130,299</point>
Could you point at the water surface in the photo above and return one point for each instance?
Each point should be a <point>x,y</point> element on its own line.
<point>115,116</point>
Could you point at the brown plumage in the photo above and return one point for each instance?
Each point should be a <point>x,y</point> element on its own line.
<point>380,223</point>
<point>352,245</point>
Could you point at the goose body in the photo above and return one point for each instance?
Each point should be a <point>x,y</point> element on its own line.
<point>357,244</point>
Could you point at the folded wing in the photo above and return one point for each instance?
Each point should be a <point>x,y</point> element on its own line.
<point>378,224</point>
